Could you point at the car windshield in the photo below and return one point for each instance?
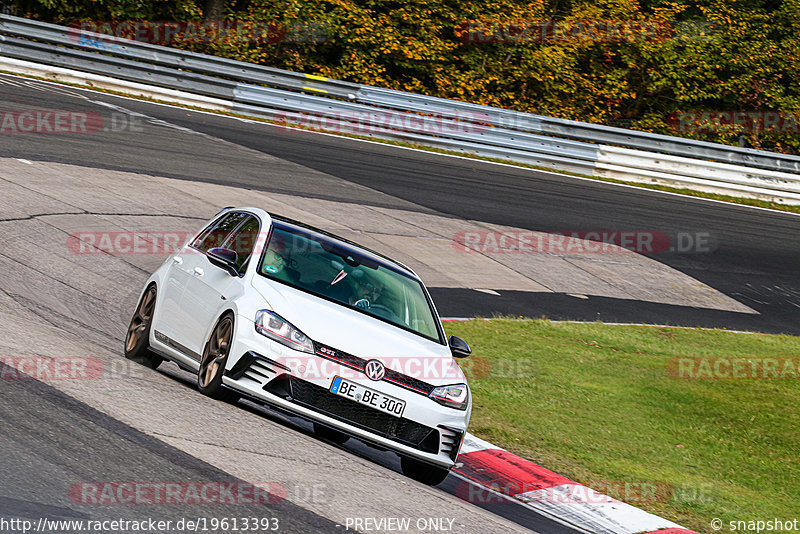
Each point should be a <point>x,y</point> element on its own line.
<point>349,276</point>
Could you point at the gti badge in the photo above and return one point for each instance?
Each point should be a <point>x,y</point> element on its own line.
<point>374,370</point>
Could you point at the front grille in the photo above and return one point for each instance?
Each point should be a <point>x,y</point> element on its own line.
<point>408,382</point>
<point>397,429</point>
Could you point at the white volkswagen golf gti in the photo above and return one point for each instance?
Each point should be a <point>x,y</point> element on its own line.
<point>307,322</point>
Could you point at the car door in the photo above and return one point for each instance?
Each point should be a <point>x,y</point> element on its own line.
<point>192,263</point>
<point>169,308</point>
<point>210,287</point>
<point>169,315</point>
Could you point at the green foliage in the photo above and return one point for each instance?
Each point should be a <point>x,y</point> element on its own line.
<point>668,57</point>
<point>69,11</point>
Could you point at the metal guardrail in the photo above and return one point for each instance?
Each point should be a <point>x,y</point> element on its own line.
<point>117,67</point>
<point>171,57</point>
<point>585,131</point>
<point>459,126</point>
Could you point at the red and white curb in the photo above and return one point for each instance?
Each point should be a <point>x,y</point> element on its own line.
<point>499,471</point>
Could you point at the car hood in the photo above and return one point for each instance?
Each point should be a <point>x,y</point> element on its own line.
<point>360,335</point>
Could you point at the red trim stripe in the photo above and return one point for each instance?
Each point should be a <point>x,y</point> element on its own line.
<point>510,475</point>
<point>404,385</point>
<point>507,472</point>
<point>328,356</point>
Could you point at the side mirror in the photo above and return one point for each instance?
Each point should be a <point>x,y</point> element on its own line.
<point>458,347</point>
<point>225,259</point>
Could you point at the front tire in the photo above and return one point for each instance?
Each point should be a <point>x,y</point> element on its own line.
<point>137,340</point>
<point>215,356</point>
<point>422,472</point>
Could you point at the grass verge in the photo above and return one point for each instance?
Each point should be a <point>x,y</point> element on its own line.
<point>596,403</point>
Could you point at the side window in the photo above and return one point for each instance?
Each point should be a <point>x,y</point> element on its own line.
<point>276,257</point>
<point>243,240</point>
<point>215,234</point>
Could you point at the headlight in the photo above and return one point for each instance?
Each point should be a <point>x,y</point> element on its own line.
<point>452,396</point>
<point>275,327</point>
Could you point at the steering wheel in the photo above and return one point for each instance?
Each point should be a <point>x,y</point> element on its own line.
<point>376,309</point>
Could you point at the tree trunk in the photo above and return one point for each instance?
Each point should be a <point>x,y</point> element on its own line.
<point>214,9</point>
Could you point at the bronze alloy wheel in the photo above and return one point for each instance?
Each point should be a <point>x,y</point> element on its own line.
<point>212,364</point>
<point>137,340</point>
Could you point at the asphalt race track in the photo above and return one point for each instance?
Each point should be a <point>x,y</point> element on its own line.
<point>50,441</point>
<point>754,253</point>
<point>173,172</point>
<point>120,423</point>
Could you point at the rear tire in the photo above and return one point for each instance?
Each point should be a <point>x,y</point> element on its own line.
<point>212,364</point>
<point>330,434</point>
<point>137,340</point>
<point>422,472</point>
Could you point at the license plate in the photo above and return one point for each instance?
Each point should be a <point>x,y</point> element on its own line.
<point>370,397</point>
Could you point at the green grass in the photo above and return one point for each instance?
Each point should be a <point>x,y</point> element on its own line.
<point>595,403</point>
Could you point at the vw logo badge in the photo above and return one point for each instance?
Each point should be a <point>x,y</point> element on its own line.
<point>374,370</point>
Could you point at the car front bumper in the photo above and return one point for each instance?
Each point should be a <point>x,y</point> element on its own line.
<point>269,372</point>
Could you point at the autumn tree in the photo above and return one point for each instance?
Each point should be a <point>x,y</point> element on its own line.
<point>631,63</point>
